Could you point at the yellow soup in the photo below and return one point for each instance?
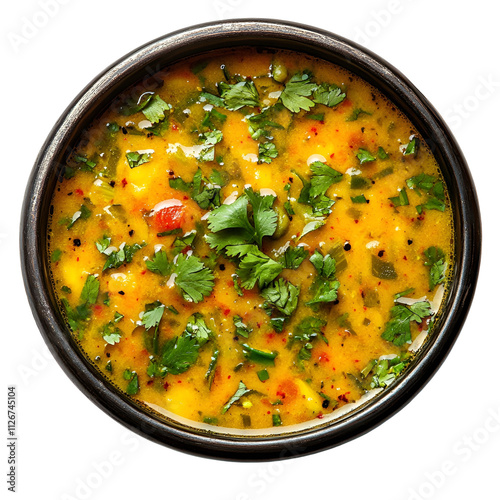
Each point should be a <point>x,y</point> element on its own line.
<point>251,239</point>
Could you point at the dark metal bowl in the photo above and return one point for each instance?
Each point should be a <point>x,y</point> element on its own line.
<point>142,64</point>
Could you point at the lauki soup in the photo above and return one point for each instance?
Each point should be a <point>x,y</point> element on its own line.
<point>251,239</point>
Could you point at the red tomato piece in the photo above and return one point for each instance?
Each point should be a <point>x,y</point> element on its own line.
<point>169,218</point>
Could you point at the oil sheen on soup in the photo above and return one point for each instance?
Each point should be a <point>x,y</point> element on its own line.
<point>251,239</point>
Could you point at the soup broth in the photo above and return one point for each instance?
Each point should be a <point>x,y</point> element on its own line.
<point>251,239</point>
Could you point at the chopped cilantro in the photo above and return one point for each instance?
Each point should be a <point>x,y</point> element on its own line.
<point>134,158</point>
<point>293,257</point>
<point>240,392</point>
<point>397,330</point>
<point>179,353</point>
<point>267,152</point>
<point>356,114</point>
<point>90,290</point>
<point>210,139</point>
<point>238,95</point>
<point>84,213</point>
<point>111,334</point>
<point>255,267</point>
<point>400,200</point>
<point>230,224</point>
<point>435,259</point>
<point>210,374</point>
<point>242,330</point>
<point>133,385</point>
<point>382,155</point>
<point>155,109</point>
<point>282,296</point>
<point>329,95</point>
<point>364,156</point>
<point>116,258</point>
<point>56,255</point>
<point>263,375</point>
<point>359,199</point>
<point>412,147</point>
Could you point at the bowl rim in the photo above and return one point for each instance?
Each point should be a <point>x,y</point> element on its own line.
<point>186,43</point>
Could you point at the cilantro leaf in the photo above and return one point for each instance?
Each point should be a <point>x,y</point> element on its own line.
<point>211,139</point>
<point>356,114</point>
<point>257,268</point>
<point>267,152</point>
<point>232,223</point>
<point>258,124</point>
<point>134,158</point>
<point>401,200</point>
<point>397,330</point>
<point>296,92</point>
<point>282,296</point>
<point>193,278</point>
<point>179,353</point>
<point>325,286</point>
<point>84,213</point>
<point>238,95</point>
<point>329,95</point>
<point>211,115</point>
<point>293,257</point>
<point>153,314</point>
<point>324,265</point>
<point>242,330</point>
<point>323,177</point>
<point>117,258</point>
<point>364,156</point>
<point>307,331</point>
<point>133,386</point>
<point>197,329</point>
<point>159,264</point>
<point>111,334</point>
<point>184,242</point>
<point>435,259</point>
<point>382,155</point>
<point>412,147</point>
<point>155,109</point>
<point>90,290</point>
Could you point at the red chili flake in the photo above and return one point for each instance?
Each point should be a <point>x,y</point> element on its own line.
<point>356,360</point>
<point>174,126</point>
<point>320,415</point>
<point>149,382</point>
<point>226,311</point>
<point>356,221</point>
<point>270,335</point>
<point>343,398</point>
<point>143,272</point>
<point>324,357</point>
<point>230,283</point>
<point>332,155</point>
<point>314,130</point>
<point>228,377</point>
<point>166,385</point>
<point>124,182</point>
<point>179,381</point>
<point>78,259</point>
<point>404,257</point>
<point>281,394</point>
<point>79,192</point>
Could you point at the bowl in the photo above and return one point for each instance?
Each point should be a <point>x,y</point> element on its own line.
<point>141,65</point>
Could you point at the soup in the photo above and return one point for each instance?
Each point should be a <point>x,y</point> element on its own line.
<point>251,239</point>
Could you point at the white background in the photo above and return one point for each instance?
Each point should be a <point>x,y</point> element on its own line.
<point>444,445</point>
